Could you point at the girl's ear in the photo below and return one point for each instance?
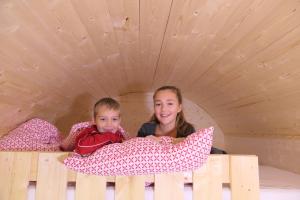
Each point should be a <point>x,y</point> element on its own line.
<point>179,108</point>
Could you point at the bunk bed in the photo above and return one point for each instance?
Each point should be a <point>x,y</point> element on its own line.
<point>52,180</point>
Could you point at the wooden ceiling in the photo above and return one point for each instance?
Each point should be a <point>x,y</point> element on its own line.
<point>237,59</point>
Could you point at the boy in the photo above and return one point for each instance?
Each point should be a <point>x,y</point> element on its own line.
<point>105,130</point>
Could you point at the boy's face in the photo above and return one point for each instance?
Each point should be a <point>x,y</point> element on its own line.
<point>107,120</point>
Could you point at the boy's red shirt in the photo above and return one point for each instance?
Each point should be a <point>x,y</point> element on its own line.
<point>90,139</point>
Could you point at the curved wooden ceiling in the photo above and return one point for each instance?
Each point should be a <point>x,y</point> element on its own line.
<point>237,59</point>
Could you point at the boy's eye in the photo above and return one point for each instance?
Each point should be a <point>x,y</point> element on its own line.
<point>157,104</point>
<point>102,119</point>
<point>170,103</point>
<point>115,119</point>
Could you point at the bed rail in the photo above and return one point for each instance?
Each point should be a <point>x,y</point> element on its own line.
<point>17,169</point>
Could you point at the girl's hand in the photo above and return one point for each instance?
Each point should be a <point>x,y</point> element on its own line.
<point>154,138</point>
<point>177,140</point>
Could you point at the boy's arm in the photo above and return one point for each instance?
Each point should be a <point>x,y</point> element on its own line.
<point>69,143</point>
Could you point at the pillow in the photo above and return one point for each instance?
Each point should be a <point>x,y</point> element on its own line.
<point>33,135</point>
<point>142,156</point>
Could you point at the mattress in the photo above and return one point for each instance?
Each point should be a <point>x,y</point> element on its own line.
<point>277,184</point>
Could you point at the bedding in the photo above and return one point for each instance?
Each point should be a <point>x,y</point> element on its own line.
<point>33,135</point>
<point>39,135</point>
<point>133,157</point>
<point>140,156</point>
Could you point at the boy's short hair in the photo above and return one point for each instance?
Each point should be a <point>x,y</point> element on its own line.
<point>110,103</point>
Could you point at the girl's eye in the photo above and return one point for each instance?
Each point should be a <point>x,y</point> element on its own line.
<point>115,119</point>
<point>170,104</point>
<point>157,104</point>
<point>102,119</point>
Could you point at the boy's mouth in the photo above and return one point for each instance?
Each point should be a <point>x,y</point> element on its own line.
<point>109,130</point>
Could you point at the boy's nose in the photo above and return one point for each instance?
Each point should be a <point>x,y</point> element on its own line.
<point>109,122</point>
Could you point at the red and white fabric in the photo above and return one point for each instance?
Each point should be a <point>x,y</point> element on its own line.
<point>39,135</point>
<point>33,135</point>
<point>68,144</point>
<point>90,139</point>
<point>141,156</point>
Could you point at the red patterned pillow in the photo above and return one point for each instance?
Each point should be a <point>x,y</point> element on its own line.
<point>140,156</point>
<point>33,135</point>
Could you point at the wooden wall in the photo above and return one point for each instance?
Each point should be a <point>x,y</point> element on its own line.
<point>236,59</point>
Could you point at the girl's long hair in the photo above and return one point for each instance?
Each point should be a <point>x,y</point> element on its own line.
<point>183,128</point>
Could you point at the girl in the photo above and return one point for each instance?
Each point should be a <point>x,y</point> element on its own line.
<point>168,118</point>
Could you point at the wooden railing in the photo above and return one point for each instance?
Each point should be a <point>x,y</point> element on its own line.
<point>17,169</point>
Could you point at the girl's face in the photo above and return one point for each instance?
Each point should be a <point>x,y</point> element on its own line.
<point>166,107</point>
<point>107,120</point>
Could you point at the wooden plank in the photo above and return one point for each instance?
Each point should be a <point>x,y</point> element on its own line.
<point>130,188</point>
<point>14,173</point>
<point>41,49</point>
<point>125,21</point>
<point>51,177</point>
<point>82,63</point>
<point>244,177</point>
<point>21,174</point>
<point>191,27</point>
<point>242,28</point>
<point>225,167</point>
<point>90,187</point>
<point>6,169</point>
<point>207,181</point>
<point>169,186</point>
<point>154,16</point>
<point>34,166</point>
<point>96,17</point>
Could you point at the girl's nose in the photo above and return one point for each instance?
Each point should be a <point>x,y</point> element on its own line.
<point>163,107</point>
